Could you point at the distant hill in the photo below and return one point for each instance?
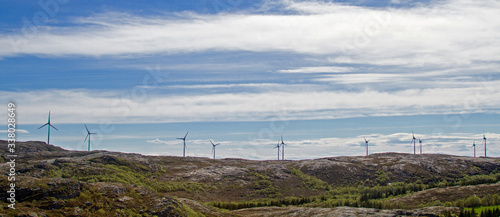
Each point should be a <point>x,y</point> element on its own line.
<point>58,182</point>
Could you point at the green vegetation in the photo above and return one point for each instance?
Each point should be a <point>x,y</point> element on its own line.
<point>484,209</point>
<point>310,181</point>
<point>116,169</point>
<point>92,200</point>
<point>479,179</point>
<point>490,212</point>
<point>370,197</point>
<point>116,184</point>
<point>288,201</point>
<point>188,211</point>
<point>263,186</point>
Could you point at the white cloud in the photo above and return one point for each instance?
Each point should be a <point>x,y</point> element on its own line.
<point>82,106</point>
<point>213,86</point>
<point>453,144</point>
<point>158,141</point>
<point>318,69</point>
<point>365,78</point>
<point>17,131</point>
<point>448,33</point>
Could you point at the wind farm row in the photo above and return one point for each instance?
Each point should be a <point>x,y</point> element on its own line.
<point>280,146</point>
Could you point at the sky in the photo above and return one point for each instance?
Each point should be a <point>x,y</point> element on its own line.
<point>322,74</point>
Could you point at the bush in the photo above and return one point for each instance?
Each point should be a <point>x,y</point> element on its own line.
<point>472,202</point>
<point>310,181</point>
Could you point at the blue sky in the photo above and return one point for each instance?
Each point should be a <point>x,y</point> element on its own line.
<point>324,74</point>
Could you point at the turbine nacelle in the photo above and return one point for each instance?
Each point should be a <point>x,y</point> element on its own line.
<point>282,149</point>
<point>49,126</point>
<point>213,143</point>
<point>184,139</point>
<point>213,147</point>
<point>413,140</point>
<point>88,136</point>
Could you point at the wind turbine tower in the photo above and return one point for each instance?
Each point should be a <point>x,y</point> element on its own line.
<point>366,141</point>
<point>282,149</point>
<point>88,136</point>
<point>420,141</point>
<point>213,147</point>
<point>184,139</point>
<point>484,138</point>
<point>474,145</point>
<point>414,140</point>
<point>278,147</point>
<point>48,126</point>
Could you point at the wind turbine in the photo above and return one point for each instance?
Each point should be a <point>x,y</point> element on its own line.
<point>282,149</point>
<point>213,147</point>
<point>474,145</point>
<point>414,140</point>
<point>278,147</point>
<point>366,141</point>
<point>484,138</point>
<point>184,139</point>
<point>420,141</point>
<point>48,126</point>
<point>88,136</point>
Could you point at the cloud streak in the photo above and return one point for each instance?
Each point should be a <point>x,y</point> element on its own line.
<point>69,106</point>
<point>453,144</point>
<point>17,131</point>
<point>445,33</point>
<point>318,69</point>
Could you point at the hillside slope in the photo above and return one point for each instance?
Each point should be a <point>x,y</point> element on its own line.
<point>49,176</point>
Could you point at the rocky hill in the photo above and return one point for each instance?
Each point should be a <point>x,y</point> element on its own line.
<point>55,182</point>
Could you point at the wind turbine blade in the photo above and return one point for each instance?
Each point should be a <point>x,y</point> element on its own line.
<point>50,125</point>
<point>181,138</point>
<point>86,138</point>
<point>186,135</point>
<point>43,125</point>
<point>87,129</point>
<point>211,142</point>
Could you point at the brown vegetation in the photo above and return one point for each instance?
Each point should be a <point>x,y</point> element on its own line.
<point>53,180</point>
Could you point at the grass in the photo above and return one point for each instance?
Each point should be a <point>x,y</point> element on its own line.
<point>310,181</point>
<point>483,208</point>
